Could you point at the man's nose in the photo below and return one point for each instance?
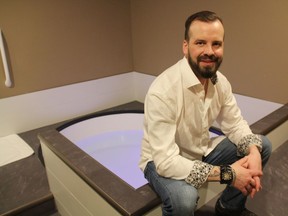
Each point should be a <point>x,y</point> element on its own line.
<point>208,50</point>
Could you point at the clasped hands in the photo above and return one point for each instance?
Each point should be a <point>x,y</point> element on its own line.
<point>248,172</point>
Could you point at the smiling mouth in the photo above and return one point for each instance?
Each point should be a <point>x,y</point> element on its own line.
<point>207,62</point>
<point>208,59</point>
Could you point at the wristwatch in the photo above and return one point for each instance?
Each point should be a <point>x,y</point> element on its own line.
<point>226,174</point>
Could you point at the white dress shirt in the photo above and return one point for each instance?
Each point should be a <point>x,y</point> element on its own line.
<point>177,118</point>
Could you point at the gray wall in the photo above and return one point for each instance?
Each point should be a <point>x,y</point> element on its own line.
<point>56,43</point>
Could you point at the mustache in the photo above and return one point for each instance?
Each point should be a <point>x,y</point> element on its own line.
<point>208,57</point>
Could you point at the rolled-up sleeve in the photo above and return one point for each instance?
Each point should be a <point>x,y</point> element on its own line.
<point>199,174</point>
<point>246,141</point>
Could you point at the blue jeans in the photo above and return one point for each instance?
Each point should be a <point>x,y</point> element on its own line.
<point>180,199</point>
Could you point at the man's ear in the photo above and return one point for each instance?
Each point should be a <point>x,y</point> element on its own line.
<point>185,48</point>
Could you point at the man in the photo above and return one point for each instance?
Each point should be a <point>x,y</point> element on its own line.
<point>178,155</point>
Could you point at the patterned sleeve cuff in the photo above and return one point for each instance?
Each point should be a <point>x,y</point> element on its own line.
<point>245,142</point>
<point>199,174</point>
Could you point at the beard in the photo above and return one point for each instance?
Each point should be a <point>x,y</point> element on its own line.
<point>207,72</point>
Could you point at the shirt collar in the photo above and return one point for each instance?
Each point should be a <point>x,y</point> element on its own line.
<point>188,76</point>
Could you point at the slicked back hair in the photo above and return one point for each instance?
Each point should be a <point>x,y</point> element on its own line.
<point>204,16</point>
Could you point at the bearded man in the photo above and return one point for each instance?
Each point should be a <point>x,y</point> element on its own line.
<point>178,155</point>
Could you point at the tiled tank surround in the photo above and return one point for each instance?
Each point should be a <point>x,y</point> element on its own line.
<point>24,187</point>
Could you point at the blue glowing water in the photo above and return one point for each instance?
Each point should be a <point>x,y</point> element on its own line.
<point>118,151</point>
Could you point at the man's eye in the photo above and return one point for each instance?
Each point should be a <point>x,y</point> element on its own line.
<point>200,43</point>
<point>218,44</point>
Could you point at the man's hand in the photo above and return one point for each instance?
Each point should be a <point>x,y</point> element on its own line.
<point>255,163</point>
<point>245,181</point>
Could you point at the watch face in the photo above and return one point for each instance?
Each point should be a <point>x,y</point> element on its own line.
<point>226,176</point>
